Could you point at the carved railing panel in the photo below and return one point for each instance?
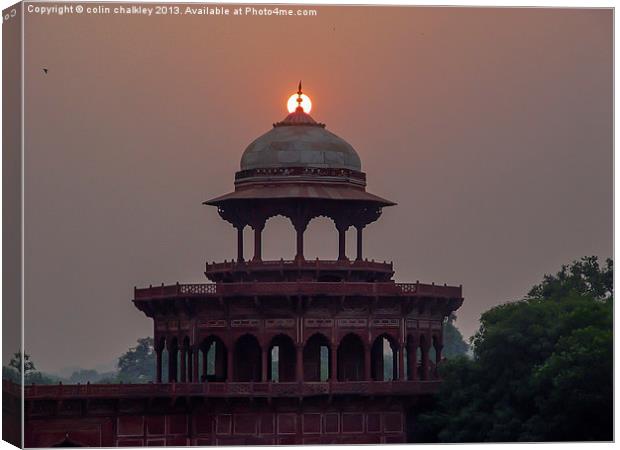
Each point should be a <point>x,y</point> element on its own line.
<point>232,389</point>
<point>297,288</point>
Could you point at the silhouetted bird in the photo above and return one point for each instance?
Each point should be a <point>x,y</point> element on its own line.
<point>44,70</point>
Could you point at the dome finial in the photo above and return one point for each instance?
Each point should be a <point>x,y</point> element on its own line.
<point>299,102</point>
<point>299,99</point>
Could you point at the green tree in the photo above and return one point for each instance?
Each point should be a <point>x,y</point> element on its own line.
<point>453,343</point>
<point>41,378</point>
<point>541,367</point>
<point>137,365</point>
<point>585,277</point>
<point>9,373</point>
<point>16,363</point>
<point>31,375</point>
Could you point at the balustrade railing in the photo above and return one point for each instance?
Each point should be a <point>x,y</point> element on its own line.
<point>299,264</point>
<point>293,288</point>
<point>228,389</point>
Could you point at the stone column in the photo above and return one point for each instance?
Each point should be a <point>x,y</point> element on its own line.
<point>342,244</point>
<point>258,251</point>
<point>299,254</point>
<point>158,355</point>
<point>359,243</point>
<point>195,374</point>
<point>183,364</point>
<point>424,349</point>
<point>438,349</point>
<point>240,243</point>
<point>299,362</point>
<point>190,365</point>
<point>401,362</point>
<point>265,363</point>
<point>412,355</point>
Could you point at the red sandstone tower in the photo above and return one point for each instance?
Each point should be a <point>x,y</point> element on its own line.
<point>278,352</point>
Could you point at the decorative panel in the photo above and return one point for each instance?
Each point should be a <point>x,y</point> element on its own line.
<point>352,323</point>
<point>385,323</point>
<point>280,323</point>
<point>318,323</point>
<point>245,323</point>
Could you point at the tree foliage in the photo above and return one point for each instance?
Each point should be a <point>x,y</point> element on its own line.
<point>137,365</point>
<point>16,363</point>
<point>541,368</point>
<point>12,372</point>
<point>453,343</point>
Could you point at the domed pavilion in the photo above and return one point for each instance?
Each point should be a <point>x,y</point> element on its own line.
<point>273,352</point>
<point>301,171</point>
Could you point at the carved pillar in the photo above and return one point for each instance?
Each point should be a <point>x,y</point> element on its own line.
<point>438,349</point>
<point>172,364</point>
<point>299,362</point>
<point>158,354</point>
<point>240,243</point>
<point>220,362</point>
<point>195,375</point>
<point>299,256</point>
<point>412,356</point>
<point>190,365</point>
<point>342,244</point>
<point>300,229</point>
<point>258,244</point>
<point>424,349</point>
<point>265,363</point>
<point>300,223</point>
<point>359,256</point>
<point>183,364</point>
<point>203,376</point>
<point>401,363</point>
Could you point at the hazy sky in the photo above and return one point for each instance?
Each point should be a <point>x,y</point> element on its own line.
<point>491,129</point>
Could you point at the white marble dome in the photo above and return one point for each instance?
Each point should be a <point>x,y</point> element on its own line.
<point>299,141</point>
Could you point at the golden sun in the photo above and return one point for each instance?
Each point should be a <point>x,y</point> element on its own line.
<point>306,103</point>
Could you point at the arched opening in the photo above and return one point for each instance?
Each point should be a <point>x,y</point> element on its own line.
<point>422,358</point>
<point>282,359</point>
<point>410,359</point>
<point>321,239</point>
<point>435,354</point>
<point>214,360</point>
<point>316,359</point>
<point>247,359</point>
<point>278,239</point>
<point>159,347</point>
<point>351,358</point>
<point>173,363</point>
<point>384,363</point>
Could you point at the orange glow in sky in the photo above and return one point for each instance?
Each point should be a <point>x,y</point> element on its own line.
<point>306,103</point>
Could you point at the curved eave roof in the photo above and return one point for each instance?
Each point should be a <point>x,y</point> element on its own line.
<point>301,191</point>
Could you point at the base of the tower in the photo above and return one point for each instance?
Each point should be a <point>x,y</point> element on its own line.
<point>205,422</point>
